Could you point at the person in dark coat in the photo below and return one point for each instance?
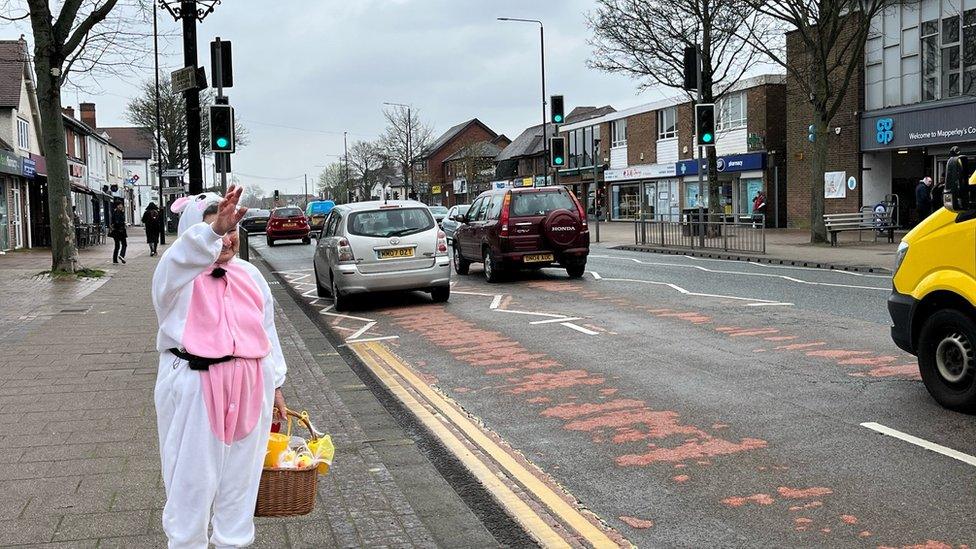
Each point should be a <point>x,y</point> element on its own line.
<point>119,234</point>
<point>152,220</point>
<point>923,198</point>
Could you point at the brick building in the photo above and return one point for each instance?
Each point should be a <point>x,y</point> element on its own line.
<point>19,145</point>
<point>430,168</point>
<point>646,160</point>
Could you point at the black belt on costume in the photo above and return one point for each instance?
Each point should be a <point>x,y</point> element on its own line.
<point>199,362</point>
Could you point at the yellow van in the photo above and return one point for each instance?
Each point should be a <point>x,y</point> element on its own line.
<point>933,300</point>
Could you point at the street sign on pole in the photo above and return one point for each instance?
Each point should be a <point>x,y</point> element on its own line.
<point>184,79</point>
<point>173,173</point>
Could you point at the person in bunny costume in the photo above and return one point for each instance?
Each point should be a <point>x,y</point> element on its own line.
<point>220,374</point>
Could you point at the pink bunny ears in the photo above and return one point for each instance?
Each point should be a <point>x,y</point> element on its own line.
<point>178,204</point>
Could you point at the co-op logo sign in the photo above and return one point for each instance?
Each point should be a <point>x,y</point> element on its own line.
<point>884,127</point>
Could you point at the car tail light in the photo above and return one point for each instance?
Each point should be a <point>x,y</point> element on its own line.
<point>503,219</point>
<point>579,209</point>
<point>345,251</point>
<point>441,244</point>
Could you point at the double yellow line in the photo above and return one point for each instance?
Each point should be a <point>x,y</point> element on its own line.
<point>390,370</point>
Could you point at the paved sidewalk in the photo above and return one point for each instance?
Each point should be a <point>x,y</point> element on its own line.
<point>79,465</point>
<point>782,246</point>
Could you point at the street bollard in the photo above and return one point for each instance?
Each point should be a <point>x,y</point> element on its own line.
<point>244,251</point>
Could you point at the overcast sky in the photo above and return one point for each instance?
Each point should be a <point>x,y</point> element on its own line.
<point>305,71</point>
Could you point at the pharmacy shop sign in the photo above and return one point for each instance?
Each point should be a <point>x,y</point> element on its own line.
<point>904,128</point>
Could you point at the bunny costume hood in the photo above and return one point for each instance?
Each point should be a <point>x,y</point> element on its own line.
<point>213,420</point>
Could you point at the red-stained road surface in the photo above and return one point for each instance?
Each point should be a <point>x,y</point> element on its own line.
<point>692,403</point>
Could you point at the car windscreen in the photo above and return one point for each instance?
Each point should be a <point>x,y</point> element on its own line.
<point>288,212</point>
<point>391,222</point>
<point>541,203</point>
<point>438,210</point>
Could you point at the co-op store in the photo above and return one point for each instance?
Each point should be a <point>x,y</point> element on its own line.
<point>902,145</point>
<point>662,191</point>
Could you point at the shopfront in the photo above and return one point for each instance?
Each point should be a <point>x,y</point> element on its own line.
<point>15,172</point>
<point>649,190</point>
<point>740,178</point>
<point>902,145</point>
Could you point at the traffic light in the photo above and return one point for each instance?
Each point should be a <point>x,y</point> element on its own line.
<point>705,124</point>
<point>276,195</point>
<point>222,128</point>
<point>557,152</point>
<point>556,109</point>
<point>812,133</point>
<point>690,68</point>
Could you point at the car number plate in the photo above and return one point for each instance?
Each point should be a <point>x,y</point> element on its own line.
<point>537,258</point>
<point>289,225</point>
<point>396,252</point>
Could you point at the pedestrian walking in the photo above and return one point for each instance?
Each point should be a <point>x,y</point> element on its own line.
<point>119,234</point>
<point>219,382</point>
<point>759,208</point>
<point>152,220</point>
<point>923,199</point>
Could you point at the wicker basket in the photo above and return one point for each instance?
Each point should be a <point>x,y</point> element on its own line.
<point>288,492</point>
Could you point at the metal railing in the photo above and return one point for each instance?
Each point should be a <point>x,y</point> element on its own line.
<point>708,231</point>
<point>244,251</point>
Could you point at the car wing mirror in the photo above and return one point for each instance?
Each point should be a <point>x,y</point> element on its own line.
<point>958,196</point>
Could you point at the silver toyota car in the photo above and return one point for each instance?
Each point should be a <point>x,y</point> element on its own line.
<point>381,246</point>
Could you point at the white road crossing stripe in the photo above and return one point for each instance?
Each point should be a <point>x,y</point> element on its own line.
<point>937,448</point>
<point>741,273</point>
<point>580,328</point>
<point>551,320</point>
<point>362,330</point>
<point>495,302</point>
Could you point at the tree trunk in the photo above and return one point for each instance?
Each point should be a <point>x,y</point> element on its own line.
<point>64,249</point>
<point>715,205</point>
<point>818,165</point>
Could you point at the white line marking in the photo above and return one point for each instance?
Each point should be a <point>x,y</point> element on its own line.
<point>471,293</point>
<point>550,315</point>
<point>551,320</point>
<point>580,328</point>
<point>359,318</point>
<point>495,302</point>
<point>383,338</point>
<point>796,267</point>
<point>596,275</point>
<point>741,273</point>
<point>769,304</point>
<point>362,330</point>
<point>681,290</point>
<point>937,448</point>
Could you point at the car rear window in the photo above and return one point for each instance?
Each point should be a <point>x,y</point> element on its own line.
<point>440,210</point>
<point>288,212</point>
<point>541,203</point>
<point>391,222</point>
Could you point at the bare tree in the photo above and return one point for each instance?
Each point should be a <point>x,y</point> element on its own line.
<point>832,35</point>
<point>645,39</point>
<point>141,111</point>
<point>365,162</point>
<point>253,195</point>
<point>332,182</point>
<point>403,130</point>
<point>85,38</point>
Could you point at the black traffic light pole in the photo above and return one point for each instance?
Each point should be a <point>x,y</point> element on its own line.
<point>188,11</point>
<point>701,204</point>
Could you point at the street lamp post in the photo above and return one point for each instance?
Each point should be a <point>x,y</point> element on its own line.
<point>409,168</point>
<point>345,154</point>
<point>542,50</point>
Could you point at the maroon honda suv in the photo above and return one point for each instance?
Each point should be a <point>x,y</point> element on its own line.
<point>508,229</point>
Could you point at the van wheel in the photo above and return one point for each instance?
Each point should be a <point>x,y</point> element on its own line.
<point>440,294</point>
<point>947,359</point>
<point>492,270</point>
<point>576,271</point>
<point>319,288</point>
<point>339,302</point>
<point>461,265</point>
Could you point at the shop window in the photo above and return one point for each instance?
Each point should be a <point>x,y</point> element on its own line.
<point>732,112</point>
<point>23,134</point>
<point>573,151</point>
<point>951,57</point>
<point>930,60</point>
<point>587,147</point>
<point>667,124</point>
<point>969,52</point>
<point>618,133</point>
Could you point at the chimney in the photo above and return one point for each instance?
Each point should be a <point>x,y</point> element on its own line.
<point>70,111</point>
<point>88,113</point>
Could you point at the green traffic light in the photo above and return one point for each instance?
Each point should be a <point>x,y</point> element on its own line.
<point>557,118</point>
<point>707,138</point>
<point>558,161</point>
<point>222,142</point>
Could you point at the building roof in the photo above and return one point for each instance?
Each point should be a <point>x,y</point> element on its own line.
<point>13,61</point>
<point>450,134</point>
<point>481,149</point>
<point>4,146</point>
<point>136,142</point>
<point>529,142</point>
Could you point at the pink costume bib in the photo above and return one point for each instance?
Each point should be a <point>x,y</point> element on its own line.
<point>226,318</point>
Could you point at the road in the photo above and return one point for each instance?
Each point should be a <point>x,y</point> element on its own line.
<point>691,402</point>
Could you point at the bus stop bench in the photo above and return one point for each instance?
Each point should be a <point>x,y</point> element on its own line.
<point>880,222</point>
